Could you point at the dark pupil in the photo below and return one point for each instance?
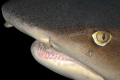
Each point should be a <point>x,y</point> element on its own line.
<point>103,36</point>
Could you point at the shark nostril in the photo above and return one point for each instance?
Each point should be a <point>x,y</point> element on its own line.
<point>102,38</point>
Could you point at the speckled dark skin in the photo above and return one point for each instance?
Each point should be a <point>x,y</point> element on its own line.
<point>71,23</point>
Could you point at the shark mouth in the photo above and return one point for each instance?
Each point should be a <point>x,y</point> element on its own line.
<point>51,53</point>
<point>61,63</point>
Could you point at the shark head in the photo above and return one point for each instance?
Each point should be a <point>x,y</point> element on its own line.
<point>75,38</point>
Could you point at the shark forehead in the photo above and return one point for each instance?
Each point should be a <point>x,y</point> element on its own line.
<point>70,25</point>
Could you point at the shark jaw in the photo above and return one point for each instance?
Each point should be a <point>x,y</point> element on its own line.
<point>62,64</point>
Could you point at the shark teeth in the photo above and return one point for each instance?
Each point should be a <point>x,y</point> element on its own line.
<point>54,55</point>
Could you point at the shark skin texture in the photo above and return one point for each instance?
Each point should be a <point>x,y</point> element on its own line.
<point>63,31</point>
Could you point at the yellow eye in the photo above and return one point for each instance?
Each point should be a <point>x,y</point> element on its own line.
<point>102,38</point>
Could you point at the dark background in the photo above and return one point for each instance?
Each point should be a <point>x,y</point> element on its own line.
<point>16,58</point>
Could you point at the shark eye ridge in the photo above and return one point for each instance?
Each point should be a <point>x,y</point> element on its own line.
<point>101,38</point>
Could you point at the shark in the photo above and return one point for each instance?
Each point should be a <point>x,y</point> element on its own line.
<point>79,39</point>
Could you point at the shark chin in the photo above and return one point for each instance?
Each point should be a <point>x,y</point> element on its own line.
<point>62,64</point>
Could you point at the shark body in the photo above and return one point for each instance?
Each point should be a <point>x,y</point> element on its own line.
<point>66,26</point>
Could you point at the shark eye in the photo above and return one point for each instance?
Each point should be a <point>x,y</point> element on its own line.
<point>101,38</point>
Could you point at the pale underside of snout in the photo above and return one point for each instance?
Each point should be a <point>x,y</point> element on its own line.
<point>62,64</point>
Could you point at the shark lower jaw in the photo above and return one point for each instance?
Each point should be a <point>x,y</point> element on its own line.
<point>62,64</point>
